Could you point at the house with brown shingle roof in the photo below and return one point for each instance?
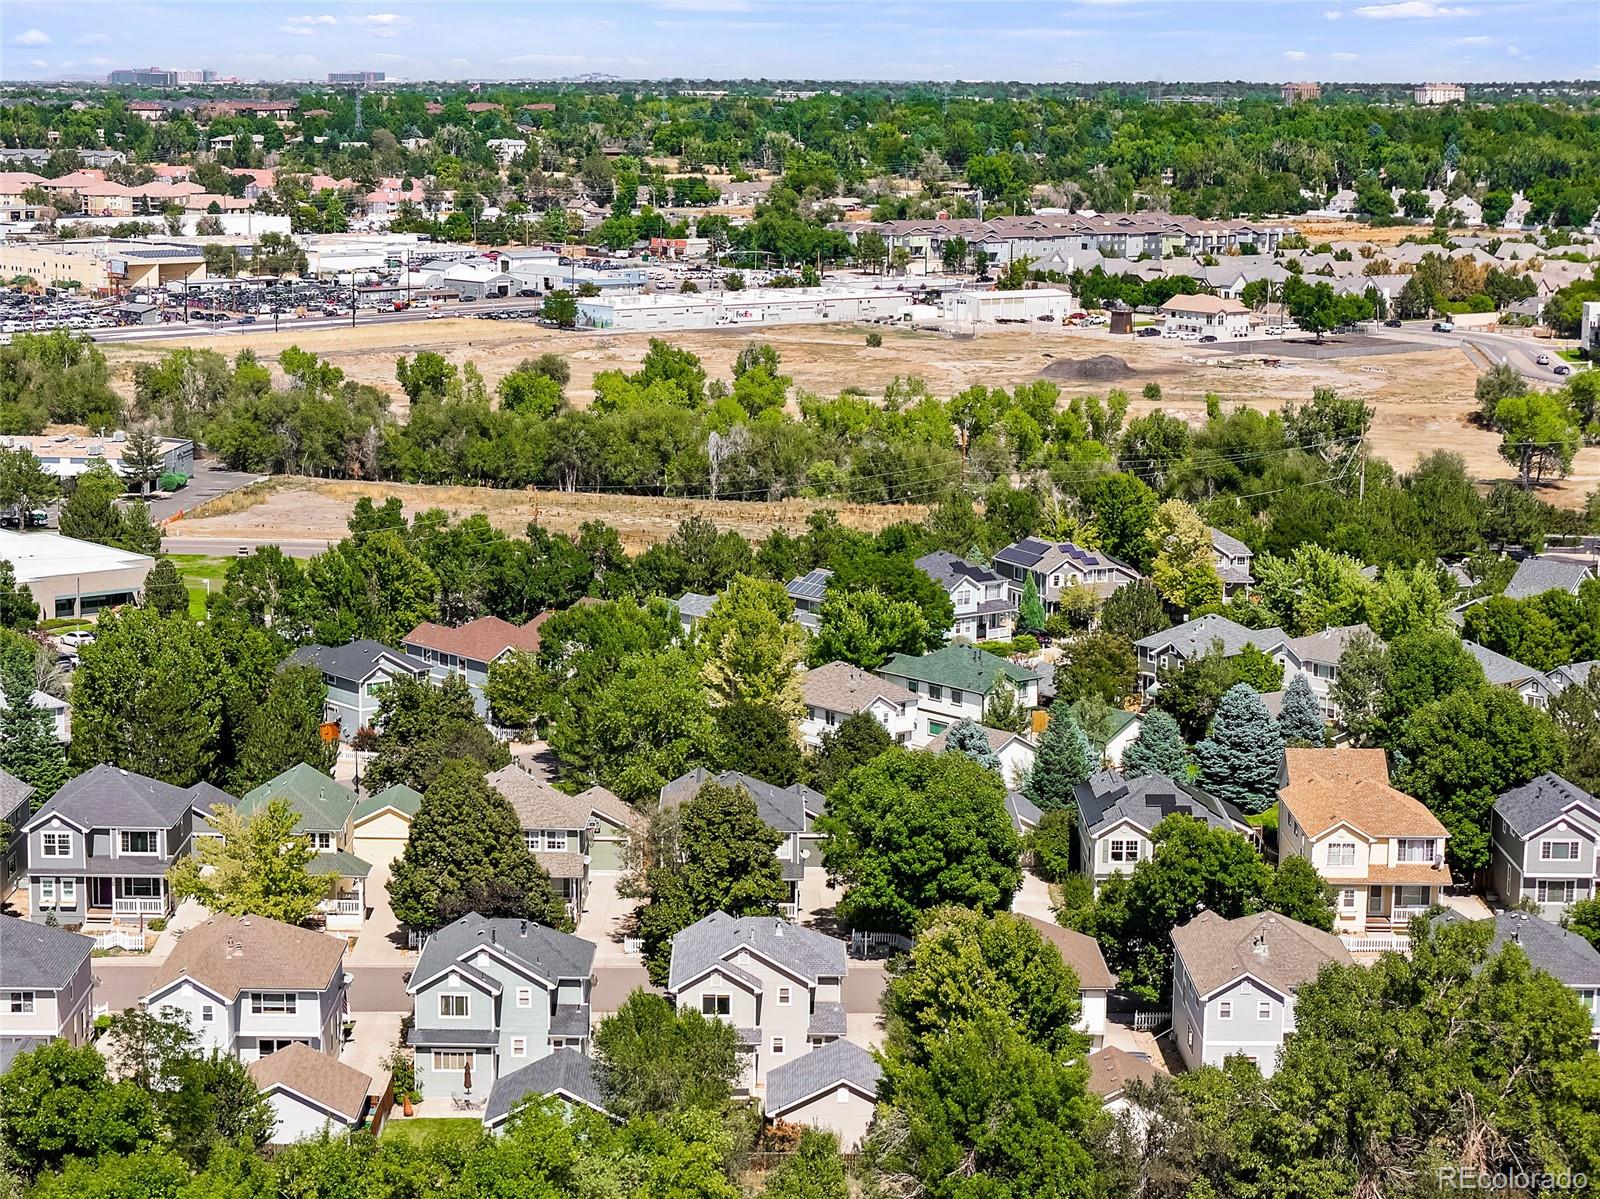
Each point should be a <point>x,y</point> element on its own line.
<point>837,691</point>
<point>311,1092</point>
<point>1095,980</point>
<point>1234,984</point>
<point>1382,849</point>
<point>470,649</point>
<point>1112,1069</point>
<point>250,986</point>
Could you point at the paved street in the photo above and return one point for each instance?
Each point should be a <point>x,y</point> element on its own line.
<point>209,481</point>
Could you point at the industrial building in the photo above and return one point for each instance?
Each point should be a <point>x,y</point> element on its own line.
<point>103,265</point>
<point>757,306</point>
<point>73,578</point>
<point>67,455</point>
<point>993,307</point>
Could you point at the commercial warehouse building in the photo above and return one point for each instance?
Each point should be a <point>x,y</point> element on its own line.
<point>100,265</point>
<point>67,455</point>
<point>73,578</point>
<point>990,307</point>
<point>757,306</point>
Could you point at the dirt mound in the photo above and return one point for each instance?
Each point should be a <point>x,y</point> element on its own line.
<point>1102,368</point>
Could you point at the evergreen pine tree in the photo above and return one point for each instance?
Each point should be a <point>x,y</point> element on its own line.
<point>29,750</point>
<point>164,590</point>
<point>1030,613</point>
<point>964,737</point>
<point>1158,749</point>
<point>1065,759</point>
<point>1239,760</point>
<point>1300,720</point>
<point>1004,710</point>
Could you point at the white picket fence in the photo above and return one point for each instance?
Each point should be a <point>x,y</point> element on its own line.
<point>117,939</point>
<point>1151,1021</point>
<point>866,944</point>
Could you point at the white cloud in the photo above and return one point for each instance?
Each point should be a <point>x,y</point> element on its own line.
<point>385,18</point>
<point>1296,55</point>
<point>92,39</point>
<point>1404,9</point>
<point>38,64</point>
<point>319,19</point>
<point>1344,56</point>
<point>32,37</point>
<point>1476,40</point>
<point>1333,14</point>
<point>298,31</point>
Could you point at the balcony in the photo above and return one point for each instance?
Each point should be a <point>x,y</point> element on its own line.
<point>340,907</point>
<point>143,905</point>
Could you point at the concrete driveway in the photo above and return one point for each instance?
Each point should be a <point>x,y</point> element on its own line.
<point>381,943</point>
<point>374,1038</point>
<point>1033,898</point>
<point>606,915</point>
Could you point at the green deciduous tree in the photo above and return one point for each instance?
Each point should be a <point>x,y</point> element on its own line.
<point>1158,749</point>
<point>1098,663</point>
<point>1576,711</point>
<point>1134,611</point>
<point>1239,760</point>
<point>466,853</point>
<point>285,729</point>
<point>650,723</point>
<point>164,590</point>
<point>1191,691</point>
<point>814,1171</point>
<point>910,831</point>
<point>751,646</point>
<point>1182,568</point>
<point>866,628</point>
<point>1358,689</point>
<point>652,1060</point>
<point>422,726</point>
<point>1312,589</point>
<point>256,866</point>
<point>57,1103</point>
<point>856,741</point>
<point>757,741</point>
<point>1004,708</point>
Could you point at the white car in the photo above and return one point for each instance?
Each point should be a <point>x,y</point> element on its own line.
<point>1543,359</point>
<point>76,639</point>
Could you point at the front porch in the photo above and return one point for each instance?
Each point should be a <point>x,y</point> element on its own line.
<point>1382,909</point>
<point>127,899</point>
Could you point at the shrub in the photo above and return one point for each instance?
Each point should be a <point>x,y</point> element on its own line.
<point>874,340</point>
<point>171,481</point>
<point>157,925</point>
<point>1051,845</point>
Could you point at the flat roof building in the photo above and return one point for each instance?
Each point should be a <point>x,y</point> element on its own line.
<point>755,306</point>
<point>67,455</point>
<point>73,578</point>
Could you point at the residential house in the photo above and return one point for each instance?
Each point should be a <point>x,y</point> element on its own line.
<point>1501,671</point>
<point>1023,812</point>
<point>355,675</point>
<point>692,607</point>
<point>791,810</point>
<point>837,691</point>
<point>100,849</point>
<point>1542,573</point>
<point>1194,638</point>
<point>779,984</point>
<point>1232,558</point>
<point>1381,848</point>
<point>1544,844</point>
<point>380,825</point>
<point>564,1074</point>
<point>1234,984</point>
<point>313,1093</point>
<point>46,987</point>
<point>1559,952</point>
<point>1317,657</point>
<point>570,835</point>
<point>1202,315</point>
<point>325,812</point>
<point>16,803</point>
<point>956,683</point>
<point>985,608</point>
<point>1117,817</point>
<point>491,996</point>
<point>1120,730</point>
<point>1573,674</point>
<point>1016,753</point>
<point>470,649</point>
<point>834,1087</point>
<point>1111,1070</point>
<point>1058,566</point>
<point>808,590</point>
<point>1095,980</point>
<point>249,986</point>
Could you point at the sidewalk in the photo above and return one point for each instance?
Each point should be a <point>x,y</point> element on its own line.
<point>1033,898</point>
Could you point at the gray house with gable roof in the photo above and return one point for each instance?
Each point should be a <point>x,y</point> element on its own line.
<point>1118,815</point>
<point>355,675</point>
<point>1540,574</point>
<point>491,996</point>
<point>46,987</point>
<point>985,606</point>
<point>1058,566</point>
<point>1194,638</point>
<point>15,806</point>
<point>1543,839</point>
<point>834,1088</point>
<point>1559,952</point>
<point>565,1074</point>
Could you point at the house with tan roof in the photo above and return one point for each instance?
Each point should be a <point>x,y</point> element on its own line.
<point>311,1093</point>
<point>1382,849</point>
<point>570,835</point>
<point>470,649</point>
<point>1202,315</point>
<point>1234,984</point>
<point>249,986</point>
<point>1111,1070</point>
<point>835,692</point>
<point>1095,980</point>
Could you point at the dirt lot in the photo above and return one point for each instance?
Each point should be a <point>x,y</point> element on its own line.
<point>1422,399</point>
<point>306,509</point>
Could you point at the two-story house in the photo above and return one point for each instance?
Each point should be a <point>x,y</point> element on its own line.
<point>955,683</point>
<point>1117,816</point>
<point>100,849</point>
<point>1232,558</point>
<point>570,835</point>
<point>1234,984</point>
<point>470,649</point>
<point>249,986</point>
<point>837,691</point>
<point>1058,566</point>
<point>355,675</point>
<point>1539,574</point>
<point>1381,849</point>
<point>1095,980</point>
<point>1317,657</point>
<point>1192,639</point>
<point>1559,952</point>
<point>809,590</point>
<point>1533,686</point>
<point>492,995</point>
<point>1544,844</point>
<point>791,810</point>
<point>833,1087</point>
<point>985,606</point>
<point>16,805</point>
<point>46,987</point>
<point>326,812</point>
<point>779,984</point>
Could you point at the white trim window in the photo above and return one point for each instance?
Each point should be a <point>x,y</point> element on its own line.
<point>20,1003</point>
<point>1415,849</point>
<point>1556,890</point>
<point>716,1005</point>
<point>555,840</point>
<point>273,1003</point>
<point>1263,1010</point>
<point>785,996</point>
<point>445,1060</point>
<point>1224,1009</point>
<point>1347,899</point>
<point>321,842</point>
<point>519,1046</point>
<point>1558,851</point>
<point>1124,851</point>
<point>777,1046</point>
<point>55,845</point>
<point>454,1005</point>
<point>1341,853</point>
<point>524,996</point>
<point>139,843</point>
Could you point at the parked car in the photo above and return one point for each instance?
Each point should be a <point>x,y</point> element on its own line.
<point>77,638</point>
<point>1443,327</point>
<point>466,299</point>
<point>247,319</point>
<point>1149,331</point>
<point>1393,322</point>
<point>1209,337</point>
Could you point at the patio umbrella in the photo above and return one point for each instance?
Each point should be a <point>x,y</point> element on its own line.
<point>466,1074</point>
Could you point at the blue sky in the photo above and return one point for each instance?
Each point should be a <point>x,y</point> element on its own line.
<point>1035,40</point>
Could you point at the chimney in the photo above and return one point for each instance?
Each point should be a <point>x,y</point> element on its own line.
<point>524,928</point>
<point>1259,945</point>
<point>494,936</point>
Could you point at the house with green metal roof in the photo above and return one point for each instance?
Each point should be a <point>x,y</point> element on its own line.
<point>326,812</point>
<point>955,683</point>
<point>381,824</point>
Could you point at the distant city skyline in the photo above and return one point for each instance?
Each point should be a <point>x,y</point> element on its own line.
<point>1356,41</point>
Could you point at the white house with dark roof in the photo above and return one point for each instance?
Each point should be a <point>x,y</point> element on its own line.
<point>985,607</point>
<point>491,995</point>
<point>1543,573</point>
<point>778,983</point>
<point>1544,844</point>
<point>1058,566</point>
<point>1500,671</point>
<point>1185,642</point>
<point>1234,984</point>
<point>1095,980</point>
<point>1232,558</point>
<point>46,987</point>
<point>355,675</point>
<point>1117,817</point>
<point>837,691</point>
<point>564,1074</point>
<point>1016,753</point>
<point>834,1087</point>
<point>791,810</point>
<point>1316,656</point>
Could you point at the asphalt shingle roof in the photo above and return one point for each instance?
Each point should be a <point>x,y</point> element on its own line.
<point>824,1068</point>
<point>1536,803</point>
<point>565,1072</point>
<point>1537,575</point>
<point>355,661</point>
<point>106,797</point>
<point>803,951</point>
<point>1280,952</point>
<point>320,1077</point>
<point>1498,669</point>
<point>35,957</point>
<point>963,667</point>
<point>399,796</point>
<point>229,954</point>
<point>1557,951</point>
<point>322,804</point>
<point>784,808</point>
<point>947,570</point>
<point>1193,638</point>
<point>841,687</point>
<point>1107,797</point>
<point>543,951</point>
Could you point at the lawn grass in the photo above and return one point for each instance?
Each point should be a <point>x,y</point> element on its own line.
<point>1267,821</point>
<point>398,1128</point>
<point>196,570</point>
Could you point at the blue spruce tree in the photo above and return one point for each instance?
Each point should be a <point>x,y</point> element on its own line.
<point>964,737</point>
<point>1300,721</point>
<point>1239,760</point>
